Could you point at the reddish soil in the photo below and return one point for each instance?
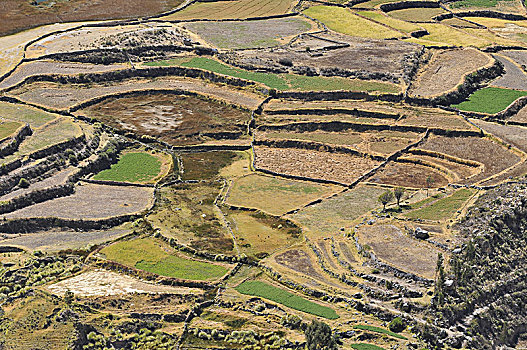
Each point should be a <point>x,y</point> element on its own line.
<point>177,120</point>
<point>342,168</point>
<point>17,15</point>
<point>408,175</point>
<point>299,261</point>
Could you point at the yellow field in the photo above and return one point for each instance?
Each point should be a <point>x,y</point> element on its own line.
<point>233,9</point>
<point>440,34</point>
<point>347,22</point>
<point>390,21</point>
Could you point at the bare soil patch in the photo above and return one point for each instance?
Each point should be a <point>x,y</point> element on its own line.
<point>446,70</point>
<point>408,175</point>
<point>397,249</point>
<point>177,120</point>
<point>104,283</point>
<point>493,156</point>
<point>66,96</point>
<point>514,77</point>
<point>518,56</point>
<point>342,168</point>
<point>53,67</point>
<point>299,261</point>
<point>515,135</point>
<point>16,15</point>
<point>91,201</point>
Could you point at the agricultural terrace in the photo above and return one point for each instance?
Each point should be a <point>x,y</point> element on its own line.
<point>281,296</point>
<point>274,195</point>
<point>409,175</point>
<point>282,81</point>
<point>330,216</point>
<point>365,346</point>
<point>422,14</point>
<point>394,23</point>
<point>153,256</point>
<point>490,100</point>
<point>197,119</point>
<point>450,36</point>
<point>8,128</point>
<point>258,235</point>
<point>207,165</point>
<point>514,77</point>
<point>446,70</point>
<point>496,5</point>
<point>186,212</point>
<point>52,133</point>
<point>345,21</point>
<point>140,167</point>
<point>24,114</point>
<point>444,208</point>
<point>91,201</point>
<point>225,9</point>
<point>250,34</point>
<point>378,330</point>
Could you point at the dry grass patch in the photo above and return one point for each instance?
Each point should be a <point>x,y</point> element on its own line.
<point>345,21</point>
<point>52,133</point>
<point>395,248</point>
<point>492,155</point>
<point>394,23</point>
<point>8,128</point>
<point>91,201</point>
<point>274,195</point>
<point>336,213</point>
<point>445,35</point>
<point>514,135</point>
<point>409,175</point>
<point>175,119</point>
<point>422,14</point>
<point>338,167</point>
<point>446,70</point>
<point>299,261</point>
<point>25,114</point>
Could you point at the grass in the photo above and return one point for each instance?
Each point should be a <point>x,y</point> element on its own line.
<point>281,81</point>
<point>416,14</point>
<point>132,167</point>
<point>8,128</point>
<point>439,33</point>
<point>286,298</point>
<point>474,3</point>
<point>365,346</point>
<point>275,195</point>
<point>378,330</point>
<point>346,22</point>
<point>151,255</point>
<point>490,100</point>
<point>206,165</point>
<point>50,134</point>
<point>444,208</point>
<point>25,114</point>
<point>390,21</point>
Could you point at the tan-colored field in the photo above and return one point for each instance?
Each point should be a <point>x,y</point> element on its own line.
<point>91,201</point>
<point>274,195</point>
<point>338,167</point>
<point>409,175</point>
<point>446,70</point>
<point>105,283</point>
<point>395,248</point>
<point>66,96</point>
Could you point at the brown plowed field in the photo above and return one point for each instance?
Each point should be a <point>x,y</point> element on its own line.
<point>408,175</point>
<point>515,135</point>
<point>342,168</point>
<point>514,77</point>
<point>446,70</point>
<point>66,96</point>
<point>91,201</point>
<point>299,261</point>
<point>178,120</point>
<point>493,156</point>
<point>16,15</point>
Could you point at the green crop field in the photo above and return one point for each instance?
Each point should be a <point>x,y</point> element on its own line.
<point>444,208</point>
<point>347,22</point>
<point>151,255</point>
<point>8,128</point>
<point>365,346</point>
<point>282,81</point>
<point>286,298</point>
<point>473,3</point>
<point>490,100</point>
<point>132,167</point>
<point>379,330</point>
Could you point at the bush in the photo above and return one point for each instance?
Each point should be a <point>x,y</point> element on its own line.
<point>397,325</point>
<point>23,183</point>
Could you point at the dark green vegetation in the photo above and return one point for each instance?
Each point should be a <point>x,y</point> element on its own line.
<point>286,298</point>
<point>150,255</point>
<point>365,346</point>
<point>319,337</point>
<point>443,208</point>
<point>132,167</point>
<point>490,100</point>
<point>378,330</point>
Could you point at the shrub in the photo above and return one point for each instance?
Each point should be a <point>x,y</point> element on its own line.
<point>23,183</point>
<point>397,325</point>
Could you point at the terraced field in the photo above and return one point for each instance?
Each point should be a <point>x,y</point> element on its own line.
<point>246,174</point>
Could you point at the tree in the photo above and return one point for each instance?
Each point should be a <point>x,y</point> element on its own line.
<point>385,198</point>
<point>396,325</point>
<point>398,194</point>
<point>320,337</point>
